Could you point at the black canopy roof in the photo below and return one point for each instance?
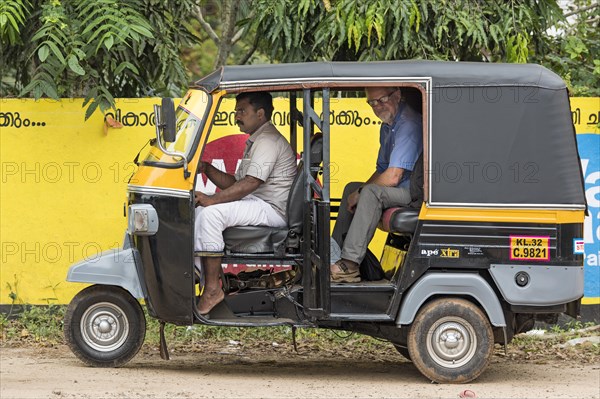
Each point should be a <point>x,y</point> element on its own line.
<point>443,73</point>
<point>499,134</point>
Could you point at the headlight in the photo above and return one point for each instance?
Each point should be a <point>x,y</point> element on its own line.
<point>143,220</point>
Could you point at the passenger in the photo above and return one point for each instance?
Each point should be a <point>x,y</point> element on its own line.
<point>401,142</point>
<point>255,196</point>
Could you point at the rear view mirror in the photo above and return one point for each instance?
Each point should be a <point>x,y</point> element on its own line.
<point>164,119</point>
<point>167,119</point>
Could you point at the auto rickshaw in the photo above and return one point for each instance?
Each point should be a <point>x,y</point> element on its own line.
<point>492,248</point>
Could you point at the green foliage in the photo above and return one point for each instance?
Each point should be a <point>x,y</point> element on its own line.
<point>44,322</point>
<point>14,290</point>
<point>350,30</point>
<point>515,31</point>
<point>96,49</point>
<point>13,14</point>
<point>102,49</point>
<point>572,51</point>
<point>34,324</point>
<point>577,325</point>
<point>55,46</point>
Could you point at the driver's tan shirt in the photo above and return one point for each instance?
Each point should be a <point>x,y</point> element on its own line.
<point>269,157</point>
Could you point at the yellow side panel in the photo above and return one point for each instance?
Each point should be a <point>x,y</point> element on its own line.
<point>502,215</point>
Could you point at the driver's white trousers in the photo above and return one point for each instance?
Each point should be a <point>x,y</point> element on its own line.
<point>212,220</point>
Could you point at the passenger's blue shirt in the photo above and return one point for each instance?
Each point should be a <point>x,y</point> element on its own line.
<point>401,143</point>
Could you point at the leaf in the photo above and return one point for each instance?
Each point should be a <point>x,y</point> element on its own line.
<point>43,52</point>
<point>357,35</point>
<point>56,51</point>
<point>79,53</point>
<point>74,65</point>
<point>50,90</point>
<point>124,65</point>
<point>370,22</point>
<point>379,27</point>
<point>108,43</point>
<point>142,31</point>
<point>90,110</point>
<point>43,32</point>
<point>97,32</point>
<point>12,21</point>
<point>303,7</point>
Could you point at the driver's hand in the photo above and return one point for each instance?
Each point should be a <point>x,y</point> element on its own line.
<point>201,199</point>
<point>353,201</point>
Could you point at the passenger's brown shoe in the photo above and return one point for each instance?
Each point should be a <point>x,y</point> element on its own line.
<point>344,272</point>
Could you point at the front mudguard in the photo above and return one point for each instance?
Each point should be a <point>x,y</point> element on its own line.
<point>114,267</point>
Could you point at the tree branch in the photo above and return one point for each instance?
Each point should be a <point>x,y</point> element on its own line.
<point>211,33</point>
<point>580,10</point>
<point>247,56</point>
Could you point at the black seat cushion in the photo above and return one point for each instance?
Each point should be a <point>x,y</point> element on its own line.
<point>404,219</point>
<point>254,239</point>
<point>399,220</point>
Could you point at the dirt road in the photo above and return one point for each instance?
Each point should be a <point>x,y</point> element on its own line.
<point>233,372</point>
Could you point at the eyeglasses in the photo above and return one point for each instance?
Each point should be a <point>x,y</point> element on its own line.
<point>380,100</point>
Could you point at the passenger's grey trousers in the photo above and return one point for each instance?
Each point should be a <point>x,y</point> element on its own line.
<point>360,227</point>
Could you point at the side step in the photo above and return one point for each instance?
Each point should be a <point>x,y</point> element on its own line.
<point>222,315</point>
<point>363,301</point>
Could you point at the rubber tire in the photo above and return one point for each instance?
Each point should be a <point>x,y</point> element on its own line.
<point>469,316</point>
<point>132,313</point>
<point>403,351</point>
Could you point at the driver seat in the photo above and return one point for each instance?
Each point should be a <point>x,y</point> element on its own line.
<point>276,240</point>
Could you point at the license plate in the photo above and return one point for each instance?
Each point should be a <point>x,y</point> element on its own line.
<point>529,248</point>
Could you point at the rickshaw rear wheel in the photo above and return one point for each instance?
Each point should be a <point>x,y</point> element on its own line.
<point>451,341</point>
<point>104,326</point>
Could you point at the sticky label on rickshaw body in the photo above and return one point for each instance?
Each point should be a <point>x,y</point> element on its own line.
<point>529,248</point>
<point>578,246</point>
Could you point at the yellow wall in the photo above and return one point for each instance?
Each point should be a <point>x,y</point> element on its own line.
<point>62,192</point>
<point>63,183</point>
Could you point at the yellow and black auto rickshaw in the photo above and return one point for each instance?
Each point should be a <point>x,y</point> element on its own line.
<point>492,248</point>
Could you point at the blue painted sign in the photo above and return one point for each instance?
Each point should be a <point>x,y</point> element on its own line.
<point>589,151</point>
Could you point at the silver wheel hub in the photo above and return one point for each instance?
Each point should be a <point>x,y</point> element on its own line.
<point>104,327</point>
<point>451,342</point>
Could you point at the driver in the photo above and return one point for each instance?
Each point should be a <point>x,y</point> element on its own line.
<point>255,196</point>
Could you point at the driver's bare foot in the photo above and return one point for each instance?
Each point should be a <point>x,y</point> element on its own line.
<point>209,300</point>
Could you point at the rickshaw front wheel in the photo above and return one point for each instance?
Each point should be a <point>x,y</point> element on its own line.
<point>104,326</point>
<point>451,340</point>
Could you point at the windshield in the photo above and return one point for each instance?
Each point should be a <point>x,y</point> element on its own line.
<point>189,118</point>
